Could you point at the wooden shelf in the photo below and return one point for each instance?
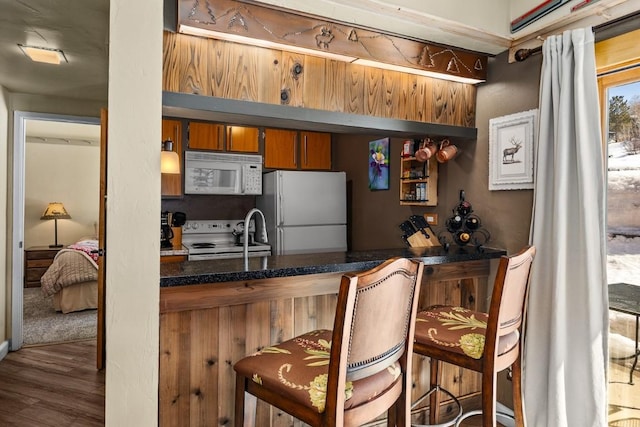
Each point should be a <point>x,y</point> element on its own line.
<point>412,175</point>
<point>259,114</point>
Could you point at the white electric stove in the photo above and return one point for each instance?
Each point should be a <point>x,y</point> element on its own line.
<point>218,239</point>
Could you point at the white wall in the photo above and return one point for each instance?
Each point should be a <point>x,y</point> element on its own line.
<point>53,105</point>
<point>133,213</point>
<point>61,173</point>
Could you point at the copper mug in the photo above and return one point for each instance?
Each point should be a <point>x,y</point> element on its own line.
<point>427,150</point>
<point>447,151</point>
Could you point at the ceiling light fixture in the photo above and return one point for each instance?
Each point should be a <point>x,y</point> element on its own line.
<point>200,32</point>
<point>43,54</point>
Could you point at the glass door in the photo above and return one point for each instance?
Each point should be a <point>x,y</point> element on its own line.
<point>622,148</point>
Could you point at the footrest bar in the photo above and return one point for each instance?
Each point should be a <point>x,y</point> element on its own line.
<point>506,420</point>
<point>453,422</point>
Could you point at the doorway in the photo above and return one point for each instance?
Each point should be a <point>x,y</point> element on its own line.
<point>28,230</point>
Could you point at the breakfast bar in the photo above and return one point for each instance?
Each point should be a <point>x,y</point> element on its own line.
<point>213,313</point>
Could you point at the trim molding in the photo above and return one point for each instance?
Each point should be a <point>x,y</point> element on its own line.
<point>318,33</point>
<point>4,349</point>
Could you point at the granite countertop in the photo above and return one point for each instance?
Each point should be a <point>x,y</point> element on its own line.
<point>231,270</point>
<point>175,250</point>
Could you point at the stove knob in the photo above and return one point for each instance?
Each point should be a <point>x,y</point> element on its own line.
<point>195,226</point>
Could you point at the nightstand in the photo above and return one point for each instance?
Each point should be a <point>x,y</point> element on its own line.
<point>36,261</point>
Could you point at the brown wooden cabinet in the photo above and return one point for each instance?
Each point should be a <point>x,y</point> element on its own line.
<point>171,184</point>
<point>290,149</point>
<point>280,149</point>
<point>241,138</point>
<point>212,136</point>
<point>315,150</point>
<point>206,136</point>
<point>37,260</point>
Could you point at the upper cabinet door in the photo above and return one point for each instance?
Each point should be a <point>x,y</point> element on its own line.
<point>280,149</point>
<point>171,184</point>
<point>241,138</point>
<point>315,150</point>
<point>206,136</point>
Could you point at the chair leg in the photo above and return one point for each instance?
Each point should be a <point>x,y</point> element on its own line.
<point>518,405</point>
<point>489,399</point>
<point>399,414</point>
<point>434,399</point>
<point>239,404</point>
<point>245,404</point>
<point>392,415</point>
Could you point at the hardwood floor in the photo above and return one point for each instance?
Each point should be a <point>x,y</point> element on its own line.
<point>52,385</point>
<point>58,385</point>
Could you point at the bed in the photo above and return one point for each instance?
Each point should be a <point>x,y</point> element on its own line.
<point>72,278</point>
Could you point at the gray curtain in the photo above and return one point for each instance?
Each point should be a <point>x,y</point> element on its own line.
<point>565,356</point>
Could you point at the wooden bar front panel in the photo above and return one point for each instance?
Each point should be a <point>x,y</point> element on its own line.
<point>199,346</point>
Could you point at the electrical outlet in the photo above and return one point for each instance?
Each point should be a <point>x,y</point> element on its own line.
<point>432,218</point>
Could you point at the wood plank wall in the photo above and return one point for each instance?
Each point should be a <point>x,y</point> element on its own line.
<point>223,69</point>
<point>198,347</point>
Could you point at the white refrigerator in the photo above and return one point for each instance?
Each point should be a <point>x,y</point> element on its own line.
<point>305,212</point>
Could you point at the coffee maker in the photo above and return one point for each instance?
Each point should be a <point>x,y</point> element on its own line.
<point>166,233</point>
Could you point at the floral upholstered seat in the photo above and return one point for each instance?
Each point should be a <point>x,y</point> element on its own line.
<point>298,368</point>
<point>459,330</point>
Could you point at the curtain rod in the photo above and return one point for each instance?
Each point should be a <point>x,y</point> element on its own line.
<point>522,54</point>
<point>604,31</point>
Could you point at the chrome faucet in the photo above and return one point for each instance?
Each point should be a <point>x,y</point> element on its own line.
<point>263,234</point>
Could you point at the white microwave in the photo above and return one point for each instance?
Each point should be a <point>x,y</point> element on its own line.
<point>222,173</point>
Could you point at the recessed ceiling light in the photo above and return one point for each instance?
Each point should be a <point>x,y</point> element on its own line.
<point>43,54</point>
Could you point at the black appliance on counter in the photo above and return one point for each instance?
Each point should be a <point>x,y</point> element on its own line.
<point>168,220</point>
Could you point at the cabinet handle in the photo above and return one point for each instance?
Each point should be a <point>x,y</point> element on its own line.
<point>306,159</point>
<point>219,137</point>
<point>230,138</point>
<point>176,135</point>
<point>295,150</point>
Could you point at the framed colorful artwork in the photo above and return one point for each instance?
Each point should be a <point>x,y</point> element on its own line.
<point>379,164</point>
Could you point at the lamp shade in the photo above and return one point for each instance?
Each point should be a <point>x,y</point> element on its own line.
<point>169,160</point>
<point>55,210</point>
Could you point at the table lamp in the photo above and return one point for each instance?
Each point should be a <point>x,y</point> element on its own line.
<point>55,211</point>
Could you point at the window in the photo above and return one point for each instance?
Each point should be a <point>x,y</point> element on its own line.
<point>620,102</point>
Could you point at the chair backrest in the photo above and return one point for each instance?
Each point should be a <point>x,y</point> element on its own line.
<point>509,297</point>
<point>375,317</point>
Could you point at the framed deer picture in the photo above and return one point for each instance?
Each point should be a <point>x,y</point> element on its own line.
<point>511,140</point>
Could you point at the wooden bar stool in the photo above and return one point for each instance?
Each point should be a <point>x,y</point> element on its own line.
<point>483,342</point>
<point>350,375</point>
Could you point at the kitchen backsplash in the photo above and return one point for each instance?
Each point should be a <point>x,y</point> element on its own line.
<point>210,207</point>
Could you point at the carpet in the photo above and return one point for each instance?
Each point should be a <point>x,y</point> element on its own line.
<point>43,325</point>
